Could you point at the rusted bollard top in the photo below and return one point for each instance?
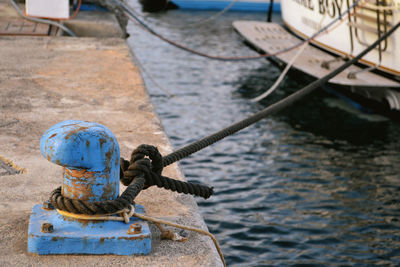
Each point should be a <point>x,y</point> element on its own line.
<point>89,154</point>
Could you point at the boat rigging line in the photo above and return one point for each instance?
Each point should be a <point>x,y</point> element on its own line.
<point>287,68</point>
<point>131,14</point>
<point>281,76</point>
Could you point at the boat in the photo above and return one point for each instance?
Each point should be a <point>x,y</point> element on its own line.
<point>237,5</point>
<point>361,29</point>
<point>374,82</point>
<point>234,5</point>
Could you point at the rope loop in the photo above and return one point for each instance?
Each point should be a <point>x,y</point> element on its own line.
<point>141,172</point>
<point>147,161</point>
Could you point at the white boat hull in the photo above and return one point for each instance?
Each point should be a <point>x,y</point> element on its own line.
<point>352,35</point>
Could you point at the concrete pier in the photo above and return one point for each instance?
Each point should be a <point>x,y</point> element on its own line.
<point>46,80</point>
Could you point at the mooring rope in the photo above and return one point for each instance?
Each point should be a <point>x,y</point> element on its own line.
<point>142,171</point>
<point>145,166</point>
<point>198,145</point>
<point>131,14</point>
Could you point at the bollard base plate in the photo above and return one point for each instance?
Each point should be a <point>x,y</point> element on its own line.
<point>70,236</point>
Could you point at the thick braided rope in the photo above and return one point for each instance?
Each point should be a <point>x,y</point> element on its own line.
<point>138,174</point>
<point>123,202</point>
<point>278,106</point>
<point>145,178</point>
<point>152,167</point>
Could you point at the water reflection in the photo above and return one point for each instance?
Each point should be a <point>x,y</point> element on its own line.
<point>315,185</point>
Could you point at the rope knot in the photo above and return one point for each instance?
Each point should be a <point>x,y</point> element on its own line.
<point>147,162</point>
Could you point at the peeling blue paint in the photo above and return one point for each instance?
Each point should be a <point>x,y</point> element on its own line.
<point>89,155</point>
<point>91,237</point>
<point>89,152</point>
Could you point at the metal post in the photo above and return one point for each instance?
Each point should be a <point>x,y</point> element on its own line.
<point>271,5</point>
<point>89,155</point>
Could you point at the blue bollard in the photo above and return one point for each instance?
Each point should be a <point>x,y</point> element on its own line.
<point>89,155</point>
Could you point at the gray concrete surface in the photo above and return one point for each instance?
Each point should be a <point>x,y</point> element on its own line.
<point>47,80</point>
<point>86,23</point>
<point>95,24</point>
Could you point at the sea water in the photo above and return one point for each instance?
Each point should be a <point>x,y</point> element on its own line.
<point>317,184</point>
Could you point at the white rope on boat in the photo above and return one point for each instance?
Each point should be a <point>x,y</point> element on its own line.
<point>287,68</point>
<point>283,74</point>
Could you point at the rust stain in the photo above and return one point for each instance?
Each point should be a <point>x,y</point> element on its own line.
<point>108,191</point>
<point>87,143</point>
<point>102,141</point>
<point>81,183</point>
<point>132,237</point>
<point>56,238</point>
<point>108,160</point>
<point>79,173</point>
<point>134,229</point>
<point>77,130</point>
<point>83,223</point>
<point>52,136</point>
<point>102,239</point>
<point>108,156</point>
<point>78,190</point>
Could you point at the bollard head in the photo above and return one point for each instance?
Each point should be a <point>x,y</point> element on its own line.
<point>80,144</point>
<point>89,153</point>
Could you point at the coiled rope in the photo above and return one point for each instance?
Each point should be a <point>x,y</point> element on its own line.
<point>141,172</point>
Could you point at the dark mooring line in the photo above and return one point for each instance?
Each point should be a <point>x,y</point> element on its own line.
<point>200,144</point>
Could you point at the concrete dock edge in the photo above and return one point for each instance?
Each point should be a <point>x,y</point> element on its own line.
<point>45,80</point>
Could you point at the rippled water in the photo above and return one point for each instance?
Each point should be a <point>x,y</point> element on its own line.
<point>316,185</point>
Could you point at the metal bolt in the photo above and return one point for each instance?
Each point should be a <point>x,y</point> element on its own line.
<point>47,205</point>
<point>135,228</point>
<point>47,228</point>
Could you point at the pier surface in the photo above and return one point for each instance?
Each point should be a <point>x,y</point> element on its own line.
<point>45,80</point>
